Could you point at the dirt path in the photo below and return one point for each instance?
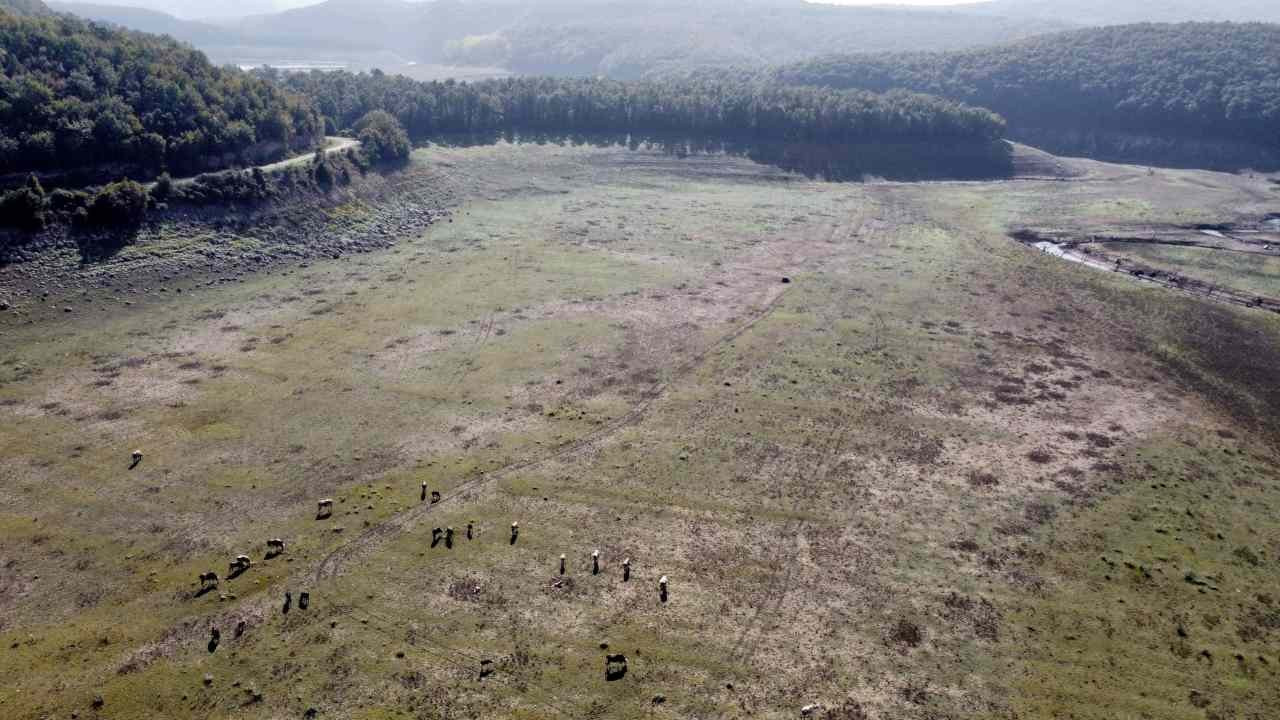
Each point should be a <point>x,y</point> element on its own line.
<point>332,145</point>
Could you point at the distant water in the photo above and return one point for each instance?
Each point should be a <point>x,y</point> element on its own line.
<point>833,162</point>
<point>296,66</point>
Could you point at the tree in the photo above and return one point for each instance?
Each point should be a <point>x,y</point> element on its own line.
<point>383,137</point>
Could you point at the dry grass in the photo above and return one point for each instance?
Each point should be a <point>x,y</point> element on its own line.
<point>884,486</point>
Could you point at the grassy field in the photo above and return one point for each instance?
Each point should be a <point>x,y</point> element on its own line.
<point>890,460</point>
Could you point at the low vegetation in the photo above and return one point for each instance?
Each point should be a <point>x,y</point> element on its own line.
<point>882,486</point>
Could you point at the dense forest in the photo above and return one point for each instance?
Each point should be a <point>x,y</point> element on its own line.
<point>75,95</point>
<point>723,106</point>
<point>1119,12</point>
<point>1202,80</point>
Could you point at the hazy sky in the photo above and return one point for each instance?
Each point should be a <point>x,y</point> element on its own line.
<point>898,2</point>
<point>237,8</point>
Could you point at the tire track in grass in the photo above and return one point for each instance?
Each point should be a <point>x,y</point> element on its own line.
<point>402,522</point>
<point>746,647</point>
<point>451,656</point>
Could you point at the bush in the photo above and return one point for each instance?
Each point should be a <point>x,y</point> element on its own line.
<point>120,203</point>
<point>25,207</point>
<point>383,138</point>
<point>324,175</point>
<point>67,202</point>
<point>164,187</point>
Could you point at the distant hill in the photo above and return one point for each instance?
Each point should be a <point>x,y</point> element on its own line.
<point>1115,12</point>
<point>1206,82</point>
<point>633,39</point>
<point>150,21</point>
<point>25,7</point>
<point>618,38</point>
<point>204,10</point>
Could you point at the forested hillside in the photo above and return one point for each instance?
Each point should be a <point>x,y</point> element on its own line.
<point>623,39</point>
<point>201,34</point>
<point>1201,80</point>
<point>1117,12</point>
<point>24,7</point>
<point>726,107</point>
<point>637,39</point>
<point>74,95</point>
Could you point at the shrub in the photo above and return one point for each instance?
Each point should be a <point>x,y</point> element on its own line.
<point>324,175</point>
<point>25,207</point>
<point>231,186</point>
<point>68,201</point>
<point>163,188</point>
<point>382,137</point>
<point>120,203</point>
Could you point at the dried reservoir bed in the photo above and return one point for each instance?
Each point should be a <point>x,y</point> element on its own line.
<point>890,462</point>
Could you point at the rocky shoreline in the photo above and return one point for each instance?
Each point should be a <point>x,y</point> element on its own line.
<point>183,248</point>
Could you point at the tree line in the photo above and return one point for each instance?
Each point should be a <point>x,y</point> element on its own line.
<point>75,95</point>
<point>1194,79</point>
<point>723,105</point>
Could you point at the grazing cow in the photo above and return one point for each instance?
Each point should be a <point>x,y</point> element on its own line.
<point>595,563</point>
<point>662,588</point>
<point>809,710</point>
<point>615,667</point>
<point>435,496</point>
<point>561,563</point>
<point>423,496</point>
<point>469,523</point>
<point>448,537</point>
<point>436,533</point>
<point>137,458</point>
<point>626,570</point>
<point>208,580</point>
<point>240,564</point>
<point>325,508</point>
<point>275,546</point>
<point>515,532</point>
<point>304,599</point>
